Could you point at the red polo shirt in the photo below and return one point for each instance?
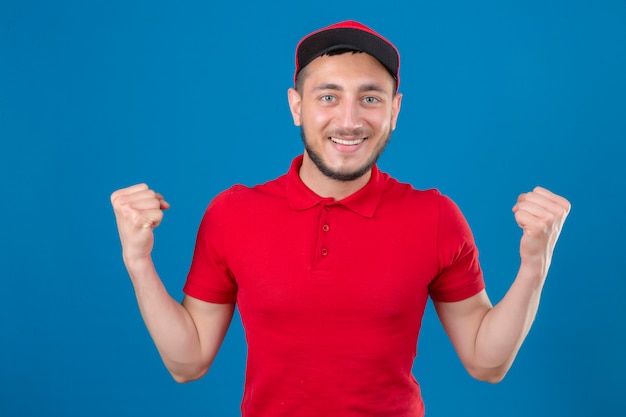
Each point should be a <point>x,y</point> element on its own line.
<point>332,293</point>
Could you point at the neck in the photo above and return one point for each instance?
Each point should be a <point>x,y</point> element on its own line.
<point>327,187</point>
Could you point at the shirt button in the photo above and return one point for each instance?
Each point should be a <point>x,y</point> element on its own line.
<point>327,208</point>
<point>324,252</point>
<point>326,228</point>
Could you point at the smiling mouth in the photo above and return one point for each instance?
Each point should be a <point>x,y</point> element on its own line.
<point>347,142</point>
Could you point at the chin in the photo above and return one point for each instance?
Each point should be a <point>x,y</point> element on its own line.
<point>345,174</point>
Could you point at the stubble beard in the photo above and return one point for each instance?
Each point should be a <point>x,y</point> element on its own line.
<point>340,175</point>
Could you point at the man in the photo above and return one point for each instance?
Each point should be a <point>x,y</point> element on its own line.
<point>331,265</point>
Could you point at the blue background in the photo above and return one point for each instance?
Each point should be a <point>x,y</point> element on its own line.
<point>190,97</point>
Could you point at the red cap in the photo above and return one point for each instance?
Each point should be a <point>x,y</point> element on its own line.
<point>350,35</point>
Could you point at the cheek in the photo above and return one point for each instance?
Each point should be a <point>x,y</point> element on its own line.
<point>317,119</point>
<point>383,122</point>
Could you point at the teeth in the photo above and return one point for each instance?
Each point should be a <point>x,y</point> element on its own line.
<point>347,142</point>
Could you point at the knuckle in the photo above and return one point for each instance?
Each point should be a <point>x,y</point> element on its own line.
<point>121,201</point>
<point>567,208</point>
<point>115,196</point>
<point>135,217</point>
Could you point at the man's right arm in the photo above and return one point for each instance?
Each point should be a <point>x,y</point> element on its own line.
<point>187,335</point>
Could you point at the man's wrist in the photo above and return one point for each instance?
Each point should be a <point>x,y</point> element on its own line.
<point>137,263</point>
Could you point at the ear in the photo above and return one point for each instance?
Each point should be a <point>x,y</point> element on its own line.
<point>295,105</point>
<point>395,110</point>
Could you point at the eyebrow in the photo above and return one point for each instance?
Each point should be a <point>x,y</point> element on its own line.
<point>362,89</point>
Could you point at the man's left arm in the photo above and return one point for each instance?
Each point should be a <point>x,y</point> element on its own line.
<point>487,338</point>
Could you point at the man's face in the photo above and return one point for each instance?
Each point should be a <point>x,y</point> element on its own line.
<point>346,110</point>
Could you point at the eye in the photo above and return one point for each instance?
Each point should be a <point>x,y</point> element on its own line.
<point>327,98</point>
<point>371,100</point>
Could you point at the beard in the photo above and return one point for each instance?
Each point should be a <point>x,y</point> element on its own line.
<point>343,176</point>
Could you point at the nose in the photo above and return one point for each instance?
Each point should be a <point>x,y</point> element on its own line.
<point>349,117</point>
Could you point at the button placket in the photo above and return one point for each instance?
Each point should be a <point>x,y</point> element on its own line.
<point>324,249</point>
<point>325,228</point>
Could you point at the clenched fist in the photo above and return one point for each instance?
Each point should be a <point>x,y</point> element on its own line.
<point>138,210</point>
<point>541,214</point>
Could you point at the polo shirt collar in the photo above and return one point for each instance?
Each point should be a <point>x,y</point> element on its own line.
<point>364,201</point>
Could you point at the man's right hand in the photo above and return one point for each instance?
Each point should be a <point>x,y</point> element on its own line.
<point>187,336</point>
<point>138,210</point>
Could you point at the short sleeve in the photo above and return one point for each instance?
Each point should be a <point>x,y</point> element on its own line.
<point>460,275</point>
<point>209,278</point>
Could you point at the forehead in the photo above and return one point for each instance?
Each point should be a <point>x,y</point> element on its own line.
<point>347,69</point>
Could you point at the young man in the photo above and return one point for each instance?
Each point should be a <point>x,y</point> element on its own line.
<point>331,265</point>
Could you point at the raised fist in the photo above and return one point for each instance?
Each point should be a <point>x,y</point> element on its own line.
<point>541,214</point>
<point>138,210</point>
